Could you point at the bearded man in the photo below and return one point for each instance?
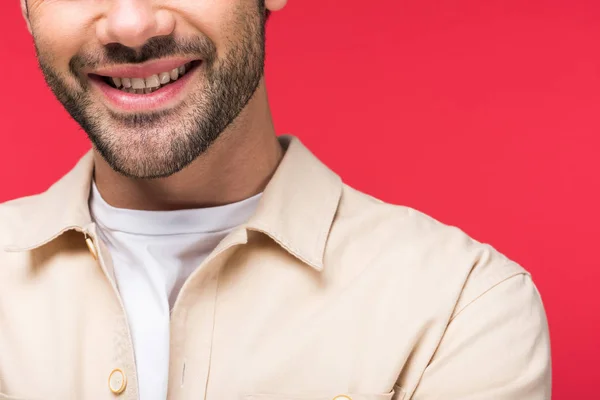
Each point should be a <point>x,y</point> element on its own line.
<point>195,254</point>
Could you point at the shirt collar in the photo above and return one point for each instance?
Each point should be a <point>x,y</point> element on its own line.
<point>299,204</point>
<point>296,209</point>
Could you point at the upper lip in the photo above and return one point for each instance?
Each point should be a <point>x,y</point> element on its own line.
<point>141,70</point>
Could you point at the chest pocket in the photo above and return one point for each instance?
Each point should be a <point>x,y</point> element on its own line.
<point>326,396</point>
<point>5,397</point>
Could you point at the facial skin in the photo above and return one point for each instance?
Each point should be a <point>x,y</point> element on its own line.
<point>75,38</point>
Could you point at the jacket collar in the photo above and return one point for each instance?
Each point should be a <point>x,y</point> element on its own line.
<point>296,209</point>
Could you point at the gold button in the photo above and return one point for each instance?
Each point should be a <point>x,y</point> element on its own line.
<point>91,247</point>
<point>342,397</point>
<point>117,381</point>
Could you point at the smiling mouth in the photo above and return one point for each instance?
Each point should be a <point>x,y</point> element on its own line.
<point>148,84</point>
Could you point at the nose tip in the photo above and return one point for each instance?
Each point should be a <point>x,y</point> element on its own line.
<point>133,22</point>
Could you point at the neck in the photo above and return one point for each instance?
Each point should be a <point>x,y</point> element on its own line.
<point>238,165</point>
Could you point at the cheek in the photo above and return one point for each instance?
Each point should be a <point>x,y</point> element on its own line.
<point>215,19</point>
<point>61,29</point>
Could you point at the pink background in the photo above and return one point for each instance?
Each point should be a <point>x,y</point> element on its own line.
<point>484,114</point>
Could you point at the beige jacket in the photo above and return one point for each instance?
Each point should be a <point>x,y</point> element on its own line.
<point>326,293</point>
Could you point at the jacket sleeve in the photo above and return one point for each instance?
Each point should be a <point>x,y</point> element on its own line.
<point>496,347</point>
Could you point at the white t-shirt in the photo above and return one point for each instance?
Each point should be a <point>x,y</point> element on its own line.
<point>154,252</point>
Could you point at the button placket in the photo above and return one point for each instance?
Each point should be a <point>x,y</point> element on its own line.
<point>196,338</point>
<point>118,382</point>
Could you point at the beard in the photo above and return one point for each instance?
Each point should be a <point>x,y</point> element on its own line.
<point>158,144</point>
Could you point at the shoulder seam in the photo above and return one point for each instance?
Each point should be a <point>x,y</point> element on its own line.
<point>485,292</point>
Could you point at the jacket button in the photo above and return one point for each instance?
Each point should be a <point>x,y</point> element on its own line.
<point>91,247</point>
<point>117,381</point>
<point>342,397</point>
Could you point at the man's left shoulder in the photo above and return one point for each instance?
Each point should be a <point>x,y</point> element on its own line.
<point>474,312</point>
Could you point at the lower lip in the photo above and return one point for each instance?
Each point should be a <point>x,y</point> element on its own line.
<point>165,97</point>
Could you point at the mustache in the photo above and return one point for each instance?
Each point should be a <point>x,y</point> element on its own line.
<point>155,48</point>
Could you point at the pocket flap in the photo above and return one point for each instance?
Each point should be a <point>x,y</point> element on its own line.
<point>319,396</point>
<point>6,397</point>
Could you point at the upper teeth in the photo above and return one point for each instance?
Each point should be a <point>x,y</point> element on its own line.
<point>151,83</point>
